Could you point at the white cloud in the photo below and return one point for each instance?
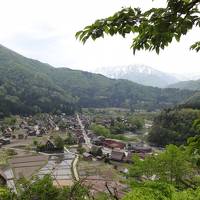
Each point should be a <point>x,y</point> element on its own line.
<point>45,30</point>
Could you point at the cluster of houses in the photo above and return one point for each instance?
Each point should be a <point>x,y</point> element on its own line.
<point>126,154</point>
<point>41,125</point>
<point>73,128</point>
<point>117,150</point>
<point>33,126</point>
<point>113,121</point>
<point>46,123</point>
<point>76,131</point>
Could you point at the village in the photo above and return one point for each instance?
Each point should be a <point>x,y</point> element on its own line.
<point>66,148</point>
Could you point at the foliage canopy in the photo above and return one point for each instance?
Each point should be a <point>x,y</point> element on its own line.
<point>153,29</point>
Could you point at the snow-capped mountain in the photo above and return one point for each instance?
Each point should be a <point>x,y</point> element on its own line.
<point>141,74</point>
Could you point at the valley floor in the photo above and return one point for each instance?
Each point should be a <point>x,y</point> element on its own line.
<point>76,161</point>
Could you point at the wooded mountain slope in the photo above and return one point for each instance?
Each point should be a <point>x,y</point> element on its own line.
<point>174,126</point>
<point>189,85</point>
<point>29,86</point>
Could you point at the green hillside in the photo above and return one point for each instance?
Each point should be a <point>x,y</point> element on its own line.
<point>189,85</point>
<point>193,101</point>
<point>29,86</point>
<point>175,126</point>
<point>25,87</point>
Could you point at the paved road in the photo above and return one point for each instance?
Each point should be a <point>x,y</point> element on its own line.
<point>87,139</point>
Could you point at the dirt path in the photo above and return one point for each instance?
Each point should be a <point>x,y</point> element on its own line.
<point>74,168</point>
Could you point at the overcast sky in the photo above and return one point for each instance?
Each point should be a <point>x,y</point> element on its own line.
<point>45,30</point>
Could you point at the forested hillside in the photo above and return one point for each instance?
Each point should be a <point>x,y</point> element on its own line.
<point>174,126</point>
<point>29,86</point>
<point>189,85</point>
<point>193,101</point>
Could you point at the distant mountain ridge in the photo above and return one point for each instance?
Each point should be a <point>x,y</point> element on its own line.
<point>140,74</point>
<point>28,86</point>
